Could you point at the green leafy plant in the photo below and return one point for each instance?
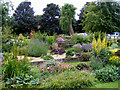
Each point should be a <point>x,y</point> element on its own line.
<point>48,57</point>
<point>113,46</point>
<point>50,39</point>
<point>21,81</point>
<point>13,67</point>
<point>69,53</point>
<point>37,48</point>
<point>70,80</point>
<point>82,66</point>
<point>80,39</point>
<point>108,74</point>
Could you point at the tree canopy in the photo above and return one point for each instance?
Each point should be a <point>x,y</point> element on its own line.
<point>67,15</point>
<point>24,18</point>
<point>101,16</point>
<point>50,19</point>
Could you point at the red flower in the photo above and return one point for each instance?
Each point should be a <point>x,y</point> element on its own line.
<point>32,32</point>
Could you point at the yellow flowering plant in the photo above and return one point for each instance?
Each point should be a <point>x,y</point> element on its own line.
<point>114,60</point>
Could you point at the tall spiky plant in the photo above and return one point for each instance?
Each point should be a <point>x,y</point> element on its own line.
<point>94,45</point>
<point>99,44</point>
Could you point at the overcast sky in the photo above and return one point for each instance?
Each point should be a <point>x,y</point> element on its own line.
<point>38,5</point>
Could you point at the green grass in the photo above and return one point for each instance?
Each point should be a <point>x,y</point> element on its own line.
<point>107,85</point>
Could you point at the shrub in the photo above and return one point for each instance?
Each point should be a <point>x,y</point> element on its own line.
<point>117,53</point>
<point>69,53</point>
<point>54,66</point>
<point>108,74</point>
<point>13,67</point>
<point>37,48</point>
<point>87,47</point>
<point>82,66</point>
<point>84,56</point>
<point>115,60</point>
<point>96,63</point>
<point>113,46</point>
<point>50,39</point>
<point>80,39</point>
<point>70,80</point>
<point>48,57</point>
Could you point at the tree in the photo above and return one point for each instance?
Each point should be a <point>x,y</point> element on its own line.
<point>5,8</point>
<point>24,18</point>
<point>67,15</point>
<point>101,16</point>
<point>50,19</point>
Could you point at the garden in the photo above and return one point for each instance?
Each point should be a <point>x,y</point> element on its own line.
<point>38,58</point>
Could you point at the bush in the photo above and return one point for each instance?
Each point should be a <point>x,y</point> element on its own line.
<point>108,74</point>
<point>113,46</point>
<point>50,39</point>
<point>70,80</point>
<point>54,67</point>
<point>83,56</point>
<point>117,53</point>
<point>48,57</point>
<point>86,47</point>
<point>37,48</point>
<point>69,53</point>
<point>82,66</point>
<point>96,63</point>
<point>115,60</point>
<point>80,39</point>
<point>13,67</point>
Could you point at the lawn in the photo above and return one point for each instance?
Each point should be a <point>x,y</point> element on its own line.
<point>107,85</point>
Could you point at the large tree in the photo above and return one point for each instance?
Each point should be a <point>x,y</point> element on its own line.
<point>49,21</point>
<point>101,16</point>
<point>24,17</point>
<point>67,15</point>
<point>5,8</point>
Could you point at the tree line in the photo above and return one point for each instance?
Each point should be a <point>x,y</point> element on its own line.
<point>94,16</point>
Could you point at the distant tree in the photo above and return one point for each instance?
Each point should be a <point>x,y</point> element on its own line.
<point>67,15</point>
<point>101,16</point>
<point>5,8</point>
<point>49,21</point>
<point>24,18</point>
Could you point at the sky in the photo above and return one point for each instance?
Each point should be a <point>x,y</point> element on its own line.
<point>38,5</point>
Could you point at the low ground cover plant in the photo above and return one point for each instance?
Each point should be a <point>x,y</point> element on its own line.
<point>109,73</point>
<point>70,80</point>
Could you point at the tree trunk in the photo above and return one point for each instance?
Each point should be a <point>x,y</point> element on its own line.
<point>71,31</point>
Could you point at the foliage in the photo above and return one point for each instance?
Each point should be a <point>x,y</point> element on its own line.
<point>13,67</point>
<point>80,39</point>
<point>67,14</point>
<point>117,53</point>
<point>113,46</point>
<point>24,18</point>
<point>21,81</point>
<point>49,21</point>
<point>54,67</point>
<point>50,39</point>
<point>96,63</point>
<point>54,46</point>
<point>48,57</point>
<point>82,66</point>
<point>37,48</point>
<point>70,80</point>
<point>101,16</point>
<point>6,38</point>
<point>40,36</point>
<point>115,60</point>
<point>86,47</point>
<point>5,8</point>
<point>21,37</point>
<point>69,53</point>
<point>108,74</point>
